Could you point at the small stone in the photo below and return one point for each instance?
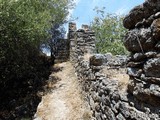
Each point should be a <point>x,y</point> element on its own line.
<point>110,114</point>
<point>120,117</point>
<point>152,68</point>
<point>97,107</point>
<point>132,104</point>
<point>139,56</point>
<point>108,56</point>
<point>115,96</point>
<point>157,15</point>
<point>156,28</point>
<point>97,60</point>
<point>96,98</point>
<point>135,64</point>
<point>150,79</point>
<point>150,54</point>
<point>124,97</point>
<point>147,110</point>
<point>158,46</point>
<point>91,102</point>
<point>135,72</point>
<point>97,116</point>
<point>104,117</point>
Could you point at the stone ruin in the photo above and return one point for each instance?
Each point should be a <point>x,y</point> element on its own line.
<point>82,41</point>
<point>140,100</point>
<point>61,50</point>
<point>142,40</point>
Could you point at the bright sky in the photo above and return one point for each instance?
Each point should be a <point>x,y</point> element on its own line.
<point>85,13</point>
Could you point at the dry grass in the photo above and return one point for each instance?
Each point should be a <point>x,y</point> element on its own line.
<point>87,115</point>
<point>66,101</point>
<point>87,56</point>
<point>117,74</point>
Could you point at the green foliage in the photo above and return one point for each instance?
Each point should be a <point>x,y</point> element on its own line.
<point>30,19</point>
<point>24,27</point>
<point>61,10</point>
<point>109,33</point>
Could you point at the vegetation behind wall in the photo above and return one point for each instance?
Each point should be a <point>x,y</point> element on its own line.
<point>24,26</point>
<point>109,32</point>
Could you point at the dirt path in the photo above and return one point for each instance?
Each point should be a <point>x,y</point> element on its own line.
<point>65,101</point>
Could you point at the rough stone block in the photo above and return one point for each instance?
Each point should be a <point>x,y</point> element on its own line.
<point>139,40</point>
<point>97,60</point>
<point>156,28</point>
<point>152,68</point>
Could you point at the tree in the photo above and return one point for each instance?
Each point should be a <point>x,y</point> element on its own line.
<point>109,32</point>
<point>58,33</point>
<point>24,27</point>
<point>57,30</point>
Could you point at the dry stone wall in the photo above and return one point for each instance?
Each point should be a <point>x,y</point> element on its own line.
<point>62,50</point>
<point>82,41</point>
<point>142,41</point>
<point>105,96</point>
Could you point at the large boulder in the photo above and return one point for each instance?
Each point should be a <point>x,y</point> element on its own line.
<point>135,15</point>
<point>118,60</point>
<point>138,13</point>
<point>97,60</point>
<point>152,68</point>
<point>156,28</point>
<point>139,40</point>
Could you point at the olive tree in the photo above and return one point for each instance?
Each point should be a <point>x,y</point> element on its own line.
<point>109,32</point>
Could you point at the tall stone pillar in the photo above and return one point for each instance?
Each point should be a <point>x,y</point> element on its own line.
<point>89,39</point>
<point>71,37</point>
<point>82,41</point>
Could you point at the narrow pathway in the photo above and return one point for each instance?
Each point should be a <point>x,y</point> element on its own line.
<point>65,101</point>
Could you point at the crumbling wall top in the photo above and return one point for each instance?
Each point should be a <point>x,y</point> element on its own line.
<point>141,12</point>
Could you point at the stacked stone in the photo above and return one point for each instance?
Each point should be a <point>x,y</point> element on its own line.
<point>143,41</point>
<point>62,53</point>
<point>71,37</point>
<point>89,39</point>
<point>82,41</point>
<point>103,94</point>
<point>85,41</point>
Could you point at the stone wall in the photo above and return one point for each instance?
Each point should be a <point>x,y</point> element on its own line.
<point>142,41</point>
<point>62,50</point>
<point>102,93</point>
<point>82,41</point>
<point>114,99</point>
